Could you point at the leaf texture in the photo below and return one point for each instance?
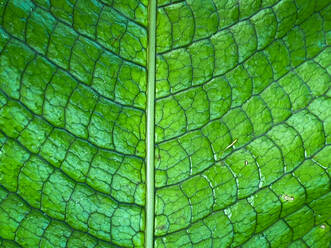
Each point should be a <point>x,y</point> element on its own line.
<point>242,123</point>
<point>240,127</point>
<point>72,123</point>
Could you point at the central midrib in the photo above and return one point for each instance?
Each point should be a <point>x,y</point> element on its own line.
<point>150,121</point>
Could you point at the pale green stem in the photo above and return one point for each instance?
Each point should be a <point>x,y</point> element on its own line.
<point>149,231</point>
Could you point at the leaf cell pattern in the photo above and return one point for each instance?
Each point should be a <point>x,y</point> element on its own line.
<point>72,123</point>
<point>242,123</point>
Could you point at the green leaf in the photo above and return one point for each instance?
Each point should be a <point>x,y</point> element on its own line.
<point>169,123</point>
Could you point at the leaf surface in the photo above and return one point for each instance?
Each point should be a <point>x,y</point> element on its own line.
<point>237,139</point>
<point>230,149</point>
<point>72,123</point>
